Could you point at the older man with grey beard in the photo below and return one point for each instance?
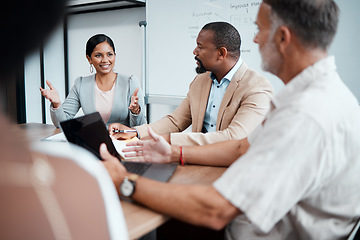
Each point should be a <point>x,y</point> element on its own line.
<point>299,177</point>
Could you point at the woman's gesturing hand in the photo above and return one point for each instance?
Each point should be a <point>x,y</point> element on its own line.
<point>51,94</point>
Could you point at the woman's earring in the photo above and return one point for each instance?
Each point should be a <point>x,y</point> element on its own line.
<point>91,68</point>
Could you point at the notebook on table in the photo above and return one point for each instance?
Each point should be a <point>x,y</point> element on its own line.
<point>89,131</point>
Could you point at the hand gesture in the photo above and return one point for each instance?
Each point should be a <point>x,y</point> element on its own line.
<point>120,136</point>
<point>134,105</point>
<point>51,94</point>
<point>116,170</point>
<point>155,150</point>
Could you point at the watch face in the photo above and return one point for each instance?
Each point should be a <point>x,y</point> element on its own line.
<point>127,188</point>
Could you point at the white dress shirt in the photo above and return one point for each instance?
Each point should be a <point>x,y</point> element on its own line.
<point>300,179</point>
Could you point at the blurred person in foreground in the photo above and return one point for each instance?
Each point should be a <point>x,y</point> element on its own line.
<point>42,194</point>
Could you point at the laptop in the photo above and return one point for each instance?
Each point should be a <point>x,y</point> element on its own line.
<point>89,131</point>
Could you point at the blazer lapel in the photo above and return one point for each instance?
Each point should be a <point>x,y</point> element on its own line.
<point>91,95</point>
<point>203,100</point>
<point>230,92</point>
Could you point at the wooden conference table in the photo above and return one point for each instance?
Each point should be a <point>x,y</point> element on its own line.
<point>140,220</point>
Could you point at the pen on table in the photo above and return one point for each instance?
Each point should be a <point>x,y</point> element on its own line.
<point>124,131</point>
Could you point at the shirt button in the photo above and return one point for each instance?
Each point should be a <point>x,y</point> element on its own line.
<point>212,125</point>
<point>218,86</point>
<point>213,106</point>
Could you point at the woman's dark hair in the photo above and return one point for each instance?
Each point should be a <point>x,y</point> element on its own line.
<point>95,40</point>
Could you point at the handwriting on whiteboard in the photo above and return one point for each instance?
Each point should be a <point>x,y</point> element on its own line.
<point>240,14</point>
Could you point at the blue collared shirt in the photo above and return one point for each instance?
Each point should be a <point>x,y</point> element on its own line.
<point>216,95</point>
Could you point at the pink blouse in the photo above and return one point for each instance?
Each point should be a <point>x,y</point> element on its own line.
<point>104,101</point>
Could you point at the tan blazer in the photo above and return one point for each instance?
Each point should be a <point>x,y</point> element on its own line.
<point>243,107</point>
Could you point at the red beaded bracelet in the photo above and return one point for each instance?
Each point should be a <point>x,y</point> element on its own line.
<point>181,157</point>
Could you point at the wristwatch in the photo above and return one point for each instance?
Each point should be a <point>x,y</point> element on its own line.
<point>127,187</point>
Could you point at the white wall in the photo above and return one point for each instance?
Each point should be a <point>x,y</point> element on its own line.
<point>53,53</point>
<point>345,47</point>
<point>32,83</point>
<point>54,65</point>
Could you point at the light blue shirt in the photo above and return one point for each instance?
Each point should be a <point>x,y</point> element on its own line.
<point>216,95</point>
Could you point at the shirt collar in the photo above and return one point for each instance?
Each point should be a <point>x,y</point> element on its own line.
<point>231,73</point>
<point>303,79</point>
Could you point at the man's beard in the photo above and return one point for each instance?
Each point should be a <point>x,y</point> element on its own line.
<point>200,69</point>
<point>271,58</point>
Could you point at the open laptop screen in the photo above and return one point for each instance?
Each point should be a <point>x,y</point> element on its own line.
<point>88,132</point>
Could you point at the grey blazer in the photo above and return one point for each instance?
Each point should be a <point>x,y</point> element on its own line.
<point>82,95</point>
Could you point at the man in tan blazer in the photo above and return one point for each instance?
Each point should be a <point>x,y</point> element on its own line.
<point>227,100</point>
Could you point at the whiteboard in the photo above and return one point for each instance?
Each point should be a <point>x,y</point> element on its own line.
<point>172,32</point>
<point>173,27</point>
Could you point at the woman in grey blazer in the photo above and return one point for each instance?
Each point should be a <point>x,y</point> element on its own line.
<point>117,97</point>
